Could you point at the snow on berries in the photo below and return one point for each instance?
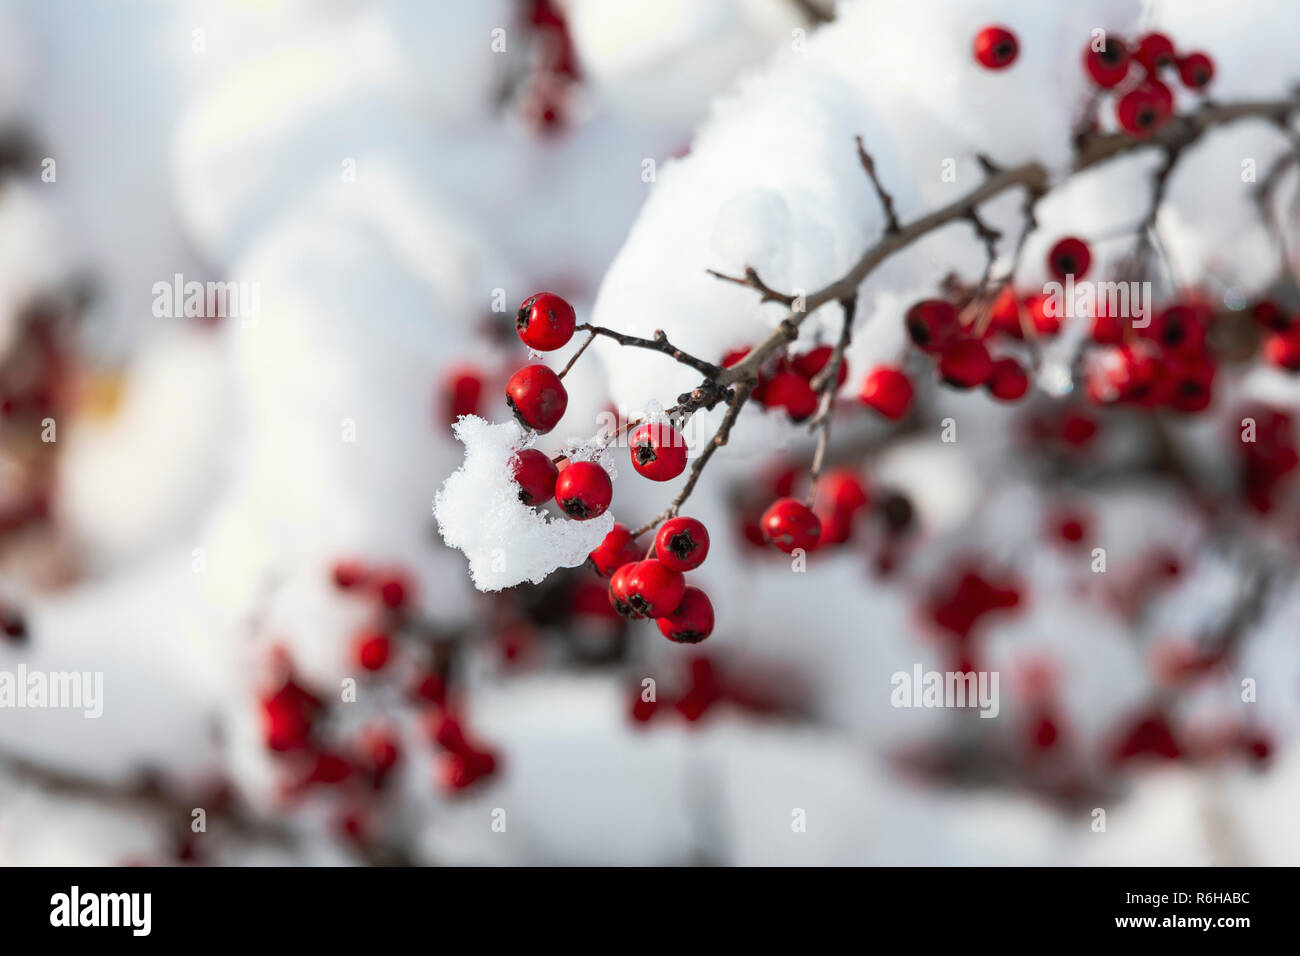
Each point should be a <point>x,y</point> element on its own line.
<point>479,511</point>
<point>545,322</point>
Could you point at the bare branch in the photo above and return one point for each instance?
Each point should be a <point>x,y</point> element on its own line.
<point>886,200</point>
<point>751,280</point>
<point>659,344</point>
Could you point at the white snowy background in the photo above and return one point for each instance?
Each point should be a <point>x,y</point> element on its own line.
<point>220,154</point>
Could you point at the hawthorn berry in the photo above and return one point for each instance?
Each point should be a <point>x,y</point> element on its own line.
<point>1283,350</point>
<point>1154,51</point>
<point>288,715</point>
<point>996,47</point>
<point>583,490</point>
<point>647,588</point>
<point>371,650</point>
<point>840,496</point>
<point>931,323</point>
<point>1178,328</point>
<point>461,390</point>
<point>788,524</point>
<point>1043,324</point>
<point>1269,315</point>
<point>618,593</point>
<point>617,549</point>
<point>889,391</point>
<point>682,544</point>
<point>537,397</point>
<point>1108,66</point>
<point>1196,70</point>
<point>348,574</point>
<point>658,452</point>
<point>545,322</point>
<point>1008,381</point>
<point>393,588</point>
<point>13,625</point>
<point>791,391</point>
<point>1070,256</point>
<point>1142,109</point>
<point>535,474</point>
<point>810,363</point>
<point>965,364</point>
<point>691,622</point>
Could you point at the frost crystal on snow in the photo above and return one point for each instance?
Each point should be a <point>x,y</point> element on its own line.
<point>479,511</point>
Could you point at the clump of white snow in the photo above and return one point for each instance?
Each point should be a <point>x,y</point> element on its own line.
<point>479,512</point>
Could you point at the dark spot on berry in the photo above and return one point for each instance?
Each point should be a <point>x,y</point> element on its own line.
<point>575,507</point>
<point>919,332</point>
<point>1004,50</point>
<point>688,637</point>
<point>1190,388</point>
<point>1112,54</point>
<point>639,604</point>
<point>645,453</point>
<point>681,545</point>
<point>897,511</point>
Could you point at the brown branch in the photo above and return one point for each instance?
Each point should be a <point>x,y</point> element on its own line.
<point>751,280</point>
<point>825,382</point>
<point>1175,135</point>
<point>886,200</point>
<point>659,344</point>
<point>591,337</point>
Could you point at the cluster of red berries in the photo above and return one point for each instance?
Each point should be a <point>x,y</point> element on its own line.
<point>1282,340</point>
<point>1168,363</point>
<point>787,383</point>
<point>1144,102</point>
<point>537,397</point>
<point>656,587</point>
<point>959,345</point>
<point>391,591</point>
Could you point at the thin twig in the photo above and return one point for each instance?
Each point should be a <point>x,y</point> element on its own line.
<point>886,200</point>
<point>591,337</point>
<point>825,382</point>
<point>751,280</point>
<point>659,344</point>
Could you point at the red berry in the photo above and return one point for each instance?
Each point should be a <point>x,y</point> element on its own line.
<point>545,322</point>
<point>379,750</point>
<point>1269,315</point>
<point>840,496</point>
<point>810,363</point>
<point>1142,109</point>
<point>618,592</point>
<point>1107,66</point>
<point>583,490</point>
<point>788,524</point>
<point>535,475</point>
<point>393,588</point>
<point>1196,70</point>
<point>1008,381</point>
<point>791,391</point>
<point>537,397</point>
<point>682,544</point>
<point>658,452</point>
<point>617,549</point>
<point>1068,257</point>
<point>931,323</point>
<point>888,391</point>
<point>1044,324</point>
<point>996,47</point>
<point>462,387</point>
<point>1177,328</point>
<point>692,622</point>
<point>1283,350</point>
<point>647,589</point>
<point>348,574</point>
<point>288,715</point>
<point>1154,51</point>
<point>371,649</point>
<point>966,364</point>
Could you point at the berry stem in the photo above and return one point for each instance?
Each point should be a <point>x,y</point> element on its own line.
<point>825,383</point>
<point>577,355</point>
